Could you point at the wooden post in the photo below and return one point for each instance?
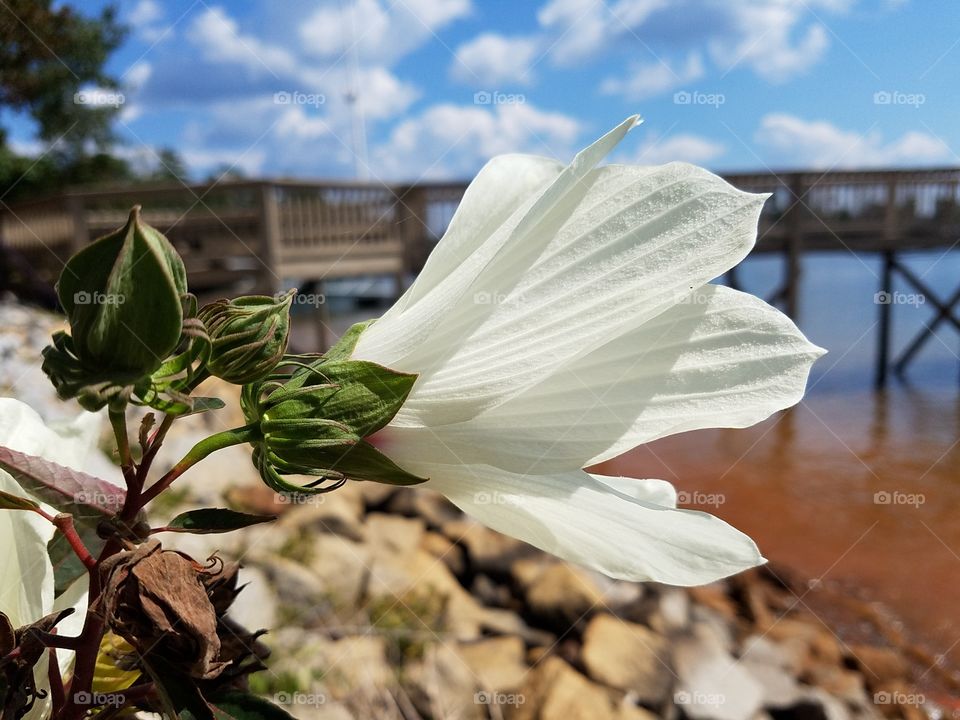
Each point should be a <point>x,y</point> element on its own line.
<point>884,300</point>
<point>268,275</point>
<point>794,248</point>
<point>78,218</point>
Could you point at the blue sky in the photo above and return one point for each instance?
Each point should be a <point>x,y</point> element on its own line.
<point>442,85</point>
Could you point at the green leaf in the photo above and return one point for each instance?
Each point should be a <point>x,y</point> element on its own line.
<point>343,348</point>
<point>358,394</point>
<point>68,490</point>
<point>214,520</point>
<point>67,567</point>
<point>243,706</point>
<point>15,502</point>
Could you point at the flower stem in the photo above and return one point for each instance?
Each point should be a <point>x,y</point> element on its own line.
<point>221,440</point>
<point>118,421</point>
<point>64,523</point>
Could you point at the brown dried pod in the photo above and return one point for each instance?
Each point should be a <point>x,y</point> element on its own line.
<point>157,601</point>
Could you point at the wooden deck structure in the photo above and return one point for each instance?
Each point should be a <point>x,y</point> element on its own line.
<point>252,236</point>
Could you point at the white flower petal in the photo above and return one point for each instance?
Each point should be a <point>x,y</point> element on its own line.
<point>499,189</point>
<point>657,492</point>
<point>580,519</point>
<point>399,340</point>
<point>69,444</point>
<point>75,596</point>
<point>722,359</point>
<point>26,575</point>
<point>627,245</point>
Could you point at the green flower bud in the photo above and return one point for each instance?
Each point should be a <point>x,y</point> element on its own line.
<point>313,421</point>
<point>248,336</point>
<point>122,295</point>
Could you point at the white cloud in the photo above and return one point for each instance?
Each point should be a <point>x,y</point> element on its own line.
<point>792,141</point>
<point>218,37</point>
<point>146,20</point>
<point>770,38</point>
<point>648,80</point>
<point>777,39</point>
<point>675,148</point>
<point>379,31</point>
<point>449,140</point>
<point>490,59</point>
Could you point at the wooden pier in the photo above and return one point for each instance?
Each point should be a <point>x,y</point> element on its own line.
<point>254,236</point>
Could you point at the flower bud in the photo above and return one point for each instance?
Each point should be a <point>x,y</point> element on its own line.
<point>122,296</point>
<point>248,336</point>
<point>314,419</point>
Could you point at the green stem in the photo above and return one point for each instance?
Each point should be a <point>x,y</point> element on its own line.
<point>118,420</point>
<point>236,436</point>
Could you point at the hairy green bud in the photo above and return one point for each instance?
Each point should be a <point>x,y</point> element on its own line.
<point>248,336</point>
<point>314,418</point>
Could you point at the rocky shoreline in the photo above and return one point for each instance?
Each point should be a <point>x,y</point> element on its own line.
<point>389,603</point>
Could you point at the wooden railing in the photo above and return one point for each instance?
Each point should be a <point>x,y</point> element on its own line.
<point>253,235</point>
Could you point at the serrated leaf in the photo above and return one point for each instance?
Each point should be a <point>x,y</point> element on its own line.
<point>68,490</point>
<point>15,502</point>
<point>214,520</point>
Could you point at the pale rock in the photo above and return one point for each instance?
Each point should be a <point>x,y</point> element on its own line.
<point>673,611</point>
<point>343,567</point>
<point>561,593</point>
<point>629,657</point>
<point>498,663</point>
<point>442,685</point>
<point>770,665</point>
<point>375,495</point>
<point>711,684</point>
<point>392,534</point>
<point>255,608</point>
<point>441,548</point>
<point>878,664</point>
<point>352,663</point>
<point>555,691</point>
<point>338,513</point>
<point>488,550</point>
<point>433,507</point>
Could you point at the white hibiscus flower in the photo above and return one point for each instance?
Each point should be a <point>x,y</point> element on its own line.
<point>564,318</point>
<point>26,574</point>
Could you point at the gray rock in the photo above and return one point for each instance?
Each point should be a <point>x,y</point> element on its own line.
<point>712,685</point>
